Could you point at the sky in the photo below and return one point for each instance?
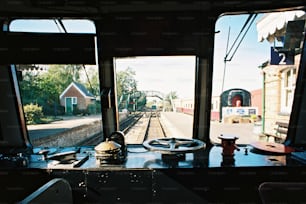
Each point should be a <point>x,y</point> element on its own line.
<point>167,74</point>
<point>243,69</point>
<point>72,26</point>
<point>164,74</point>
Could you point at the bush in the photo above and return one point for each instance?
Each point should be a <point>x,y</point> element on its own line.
<point>77,111</point>
<point>98,107</point>
<point>91,109</point>
<point>33,113</point>
<point>53,110</point>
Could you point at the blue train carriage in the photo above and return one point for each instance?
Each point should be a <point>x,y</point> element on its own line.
<point>155,110</point>
<point>236,106</point>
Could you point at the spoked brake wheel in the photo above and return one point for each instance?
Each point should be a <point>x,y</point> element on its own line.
<point>174,145</point>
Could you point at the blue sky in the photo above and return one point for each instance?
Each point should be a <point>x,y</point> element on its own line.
<point>243,68</point>
<point>72,26</point>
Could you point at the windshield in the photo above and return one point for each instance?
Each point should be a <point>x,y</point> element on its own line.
<point>255,67</point>
<point>254,75</point>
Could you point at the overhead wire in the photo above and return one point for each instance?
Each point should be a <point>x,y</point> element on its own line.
<point>226,51</point>
<point>249,21</point>
<point>241,31</point>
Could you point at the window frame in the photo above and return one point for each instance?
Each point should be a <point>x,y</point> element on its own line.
<point>288,83</point>
<point>74,100</point>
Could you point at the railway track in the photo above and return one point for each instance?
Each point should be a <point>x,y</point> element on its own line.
<point>130,121</point>
<point>124,126</point>
<point>137,128</point>
<point>147,128</point>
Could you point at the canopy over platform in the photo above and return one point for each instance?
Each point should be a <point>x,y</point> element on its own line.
<point>272,26</point>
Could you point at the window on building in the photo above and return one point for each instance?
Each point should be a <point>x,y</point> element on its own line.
<point>288,79</point>
<point>74,100</point>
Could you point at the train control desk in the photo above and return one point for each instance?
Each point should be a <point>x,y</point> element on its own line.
<point>140,158</point>
<point>194,177</point>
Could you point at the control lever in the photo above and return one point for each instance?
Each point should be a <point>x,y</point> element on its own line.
<point>63,156</point>
<point>118,137</point>
<point>81,161</point>
<point>44,152</point>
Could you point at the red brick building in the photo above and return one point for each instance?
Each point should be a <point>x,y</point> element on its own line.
<point>256,100</point>
<point>76,97</point>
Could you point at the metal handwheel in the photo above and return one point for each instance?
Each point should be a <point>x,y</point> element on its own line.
<point>174,145</point>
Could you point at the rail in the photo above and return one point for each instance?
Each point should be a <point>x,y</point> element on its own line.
<point>146,128</point>
<point>127,123</point>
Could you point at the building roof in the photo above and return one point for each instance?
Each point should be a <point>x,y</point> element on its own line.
<point>80,87</point>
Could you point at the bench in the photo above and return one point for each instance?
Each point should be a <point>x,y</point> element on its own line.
<point>281,129</point>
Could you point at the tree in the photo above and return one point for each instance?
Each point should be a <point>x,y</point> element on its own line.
<point>169,99</point>
<point>172,95</point>
<point>44,88</point>
<point>29,88</point>
<point>92,81</point>
<point>62,75</point>
<point>126,82</point>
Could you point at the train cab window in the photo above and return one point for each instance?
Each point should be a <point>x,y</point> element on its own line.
<point>256,63</point>
<point>157,91</point>
<point>254,71</point>
<point>52,25</point>
<point>61,102</point>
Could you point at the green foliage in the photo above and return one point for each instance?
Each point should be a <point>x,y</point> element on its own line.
<point>53,110</point>
<point>126,82</point>
<point>77,111</point>
<point>172,95</point>
<point>44,88</point>
<point>29,88</point>
<point>92,82</point>
<point>33,113</point>
<point>98,107</point>
<point>91,109</point>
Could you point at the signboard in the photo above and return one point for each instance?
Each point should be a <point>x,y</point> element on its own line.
<point>280,56</point>
<point>241,111</point>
